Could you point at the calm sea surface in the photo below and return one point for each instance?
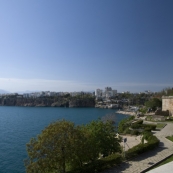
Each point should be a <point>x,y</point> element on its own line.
<point>19,124</point>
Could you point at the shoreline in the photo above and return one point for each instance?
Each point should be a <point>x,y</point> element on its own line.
<point>126,113</point>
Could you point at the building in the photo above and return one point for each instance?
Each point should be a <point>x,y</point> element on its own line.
<point>108,93</point>
<point>98,93</point>
<point>167,104</point>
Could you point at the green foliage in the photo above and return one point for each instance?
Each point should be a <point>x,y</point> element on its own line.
<point>124,124</point>
<point>136,126</point>
<point>63,146</point>
<point>139,122</point>
<point>143,110</point>
<point>160,125</point>
<point>153,103</point>
<point>100,165</point>
<point>52,149</point>
<point>170,138</point>
<point>102,136</point>
<point>152,142</point>
<point>134,132</point>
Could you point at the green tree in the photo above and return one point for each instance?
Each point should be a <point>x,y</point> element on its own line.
<point>153,103</point>
<point>51,150</point>
<point>102,136</point>
<point>62,146</point>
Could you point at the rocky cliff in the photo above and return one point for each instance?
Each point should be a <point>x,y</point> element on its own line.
<point>48,102</point>
<point>82,103</point>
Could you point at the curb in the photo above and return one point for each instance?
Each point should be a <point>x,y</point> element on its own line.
<point>147,169</point>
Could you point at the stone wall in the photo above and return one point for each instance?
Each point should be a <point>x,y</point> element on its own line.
<point>161,112</point>
<point>167,104</point>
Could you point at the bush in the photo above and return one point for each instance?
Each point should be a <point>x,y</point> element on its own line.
<point>124,124</point>
<point>101,164</point>
<point>139,122</point>
<point>134,132</point>
<point>149,127</point>
<point>141,148</point>
<point>127,131</point>
<point>136,126</point>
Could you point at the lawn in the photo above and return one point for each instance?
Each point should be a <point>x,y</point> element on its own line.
<point>160,125</point>
<point>170,138</point>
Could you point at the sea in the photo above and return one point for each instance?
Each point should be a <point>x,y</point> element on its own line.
<point>19,124</point>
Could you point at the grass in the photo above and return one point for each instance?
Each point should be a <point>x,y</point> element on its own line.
<point>160,125</point>
<point>170,138</point>
<point>150,118</point>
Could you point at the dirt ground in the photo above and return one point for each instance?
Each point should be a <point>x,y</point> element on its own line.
<point>131,141</point>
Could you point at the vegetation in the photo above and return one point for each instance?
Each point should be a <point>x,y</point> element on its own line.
<point>134,127</point>
<point>160,125</point>
<point>100,164</point>
<point>143,110</point>
<point>152,142</point>
<point>63,147</point>
<point>130,126</point>
<point>125,124</point>
<point>154,103</point>
<point>165,92</point>
<point>170,138</point>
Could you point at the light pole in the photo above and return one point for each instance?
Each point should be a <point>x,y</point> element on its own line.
<point>125,140</point>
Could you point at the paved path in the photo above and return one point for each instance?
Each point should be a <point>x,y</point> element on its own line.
<point>148,159</point>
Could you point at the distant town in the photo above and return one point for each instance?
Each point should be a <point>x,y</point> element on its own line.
<point>101,98</point>
<point>99,93</point>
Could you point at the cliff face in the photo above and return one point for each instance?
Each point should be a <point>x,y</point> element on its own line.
<point>82,103</point>
<point>48,102</point>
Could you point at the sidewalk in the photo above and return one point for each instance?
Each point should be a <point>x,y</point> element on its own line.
<point>144,161</point>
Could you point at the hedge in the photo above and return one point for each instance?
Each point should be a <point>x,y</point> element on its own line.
<point>141,148</point>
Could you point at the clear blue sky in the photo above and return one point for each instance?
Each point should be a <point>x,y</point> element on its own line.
<point>79,45</point>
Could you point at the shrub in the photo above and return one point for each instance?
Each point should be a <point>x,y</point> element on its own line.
<point>101,164</point>
<point>134,132</point>
<point>127,131</point>
<point>141,148</point>
<point>124,124</point>
<point>139,122</point>
<point>149,127</point>
<point>136,126</point>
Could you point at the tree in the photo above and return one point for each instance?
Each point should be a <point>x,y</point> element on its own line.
<point>153,103</point>
<point>51,150</point>
<point>102,136</point>
<point>63,145</point>
<point>110,118</point>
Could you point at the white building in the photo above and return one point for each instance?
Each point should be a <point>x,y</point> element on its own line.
<point>98,93</point>
<point>105,94</point>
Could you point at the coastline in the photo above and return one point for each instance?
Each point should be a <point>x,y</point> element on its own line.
<point>126,113</point>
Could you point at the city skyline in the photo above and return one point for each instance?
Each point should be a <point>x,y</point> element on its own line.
<point>84,45</point>
<point>75,88</point>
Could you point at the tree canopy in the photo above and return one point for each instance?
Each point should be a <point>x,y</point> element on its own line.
<point>63,146</point>
<point>153,103</point>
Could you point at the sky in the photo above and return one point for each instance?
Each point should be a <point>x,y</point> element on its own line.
<point>83,45</point>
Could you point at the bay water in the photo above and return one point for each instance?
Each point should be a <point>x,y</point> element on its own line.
<point>19,124</point>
